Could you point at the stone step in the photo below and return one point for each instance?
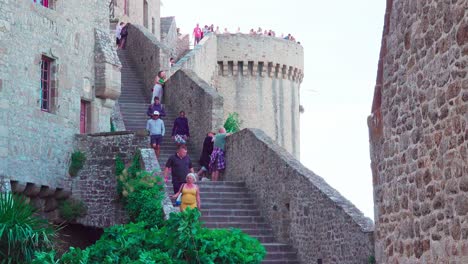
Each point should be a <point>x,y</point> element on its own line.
<point>229,219</point>
<point>282,255</point>
<point>256,231</point>
<point>251,206</point>
<point>225,195</point>
<point>281,261</point>
<point>278,247</point>
<point>224,189</point>
<point>238,225</point>
<point>229,212</point>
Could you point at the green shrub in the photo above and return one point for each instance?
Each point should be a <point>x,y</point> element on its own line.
<point>187,240</point>
<point>78,159</point>
<point>233,123</point>
<point>112,127</point>
<point>21,232</point>
<point>371,260</point>
<point>45,258</point>
<point>72,209</point>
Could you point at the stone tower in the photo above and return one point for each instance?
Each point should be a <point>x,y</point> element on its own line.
<point>419,134</point>
<point>259,77</point>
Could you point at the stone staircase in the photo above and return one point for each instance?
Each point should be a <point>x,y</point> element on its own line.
<point>224,204</point>
<point>134,104</point>
<point>229,204</point>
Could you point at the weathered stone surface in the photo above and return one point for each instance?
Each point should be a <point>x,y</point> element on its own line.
<point>421,91</point>
<point>37,145</point>
<point>203,106</point>
<point>96,183</point>
<point>301,207</point>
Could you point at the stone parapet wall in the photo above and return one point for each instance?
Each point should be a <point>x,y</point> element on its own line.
<point>268,50</point>
<point>96,183</point>
<point>419,134</point>
<point>201,60</point>
<point>203,106</point>
<point>301,207</point>
<point>148,54</point>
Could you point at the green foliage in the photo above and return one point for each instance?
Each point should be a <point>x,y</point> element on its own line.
<point>233,123</point>
<point>112,127</point>
<point>72,209</point>
<point>141,192</point>
<point>45,258</point>
<point>76,256</point>
<point>78,159</point>
<point>187,240</point>
<point>371,260</point>
<point>21,232</point>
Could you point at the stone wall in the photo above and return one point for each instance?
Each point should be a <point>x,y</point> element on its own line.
<point>135,14</point>
<point>419,134</point>
<point>35,146</point>
<point>148,54</point>
<point>301,207</point>
<point>201,60</point>
<point>202,104</point>
<point>96,183</point>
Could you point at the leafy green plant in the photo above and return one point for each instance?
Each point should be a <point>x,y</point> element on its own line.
<point>112,127</point>
<point>78,159</point>
<point>371,260</point>
<point>72,209</point>
<point>232,123</point>
<point>21,232</point>
<point>45,258</point>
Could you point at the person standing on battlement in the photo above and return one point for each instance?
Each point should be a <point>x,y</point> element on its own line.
<point>156,128</point>
<point>197,34</point>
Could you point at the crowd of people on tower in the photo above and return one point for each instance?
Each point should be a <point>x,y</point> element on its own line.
<point>199,32</point>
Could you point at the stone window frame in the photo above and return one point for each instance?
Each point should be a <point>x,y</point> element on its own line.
<point>48,84</point>
<point>126,7</point>
<point>45,3</point>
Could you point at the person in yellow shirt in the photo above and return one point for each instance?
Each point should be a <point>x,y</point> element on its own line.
<point>190,193</point>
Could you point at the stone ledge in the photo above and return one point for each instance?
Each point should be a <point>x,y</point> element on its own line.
<point>358,217</point>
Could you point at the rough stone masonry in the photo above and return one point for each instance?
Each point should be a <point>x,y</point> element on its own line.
<point>419,134</point>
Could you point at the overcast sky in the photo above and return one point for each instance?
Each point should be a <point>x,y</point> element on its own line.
<point>341,40</point>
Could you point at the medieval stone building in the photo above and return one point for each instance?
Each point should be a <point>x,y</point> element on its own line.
<point>59,76</point>
<point>419,134</point>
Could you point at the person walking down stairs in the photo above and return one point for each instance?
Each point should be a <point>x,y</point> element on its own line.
<point>180,165</point>
<point>180,130</point>
<point>190,193</point>
<point>156,128</point>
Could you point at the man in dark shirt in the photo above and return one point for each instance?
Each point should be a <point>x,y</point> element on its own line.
<point>181,127</point>
<point>180,166</point>
<point>156,106</point>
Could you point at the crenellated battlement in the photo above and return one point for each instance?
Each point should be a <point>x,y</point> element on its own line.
<point>260,68</point>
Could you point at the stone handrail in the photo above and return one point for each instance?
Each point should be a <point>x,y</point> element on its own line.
<point>148,53</point>
<point>201,102</point>
<point>301,207</point>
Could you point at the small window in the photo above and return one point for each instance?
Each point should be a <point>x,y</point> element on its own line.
<point>46,63</point>
<point>153,25</point>
<point>126,7</point>
<point>45,3</point>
